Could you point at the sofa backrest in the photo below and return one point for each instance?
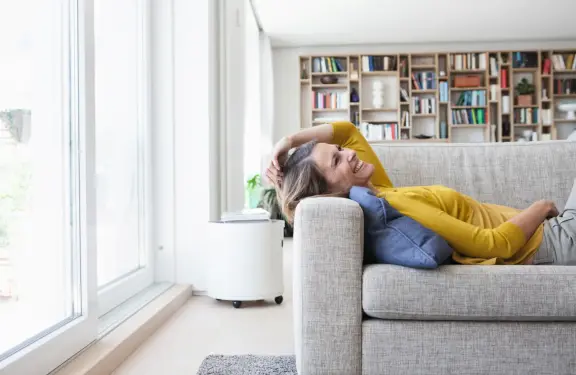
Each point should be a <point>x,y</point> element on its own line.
<point>513,174</point>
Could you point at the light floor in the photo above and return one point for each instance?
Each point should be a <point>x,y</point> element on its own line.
<point>204,326</point>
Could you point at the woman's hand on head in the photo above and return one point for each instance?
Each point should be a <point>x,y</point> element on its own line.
<point>279,156</point>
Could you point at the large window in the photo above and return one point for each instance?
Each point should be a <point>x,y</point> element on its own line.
<point>121,92</point>
<point>74,173</point>
<point>44,244</point>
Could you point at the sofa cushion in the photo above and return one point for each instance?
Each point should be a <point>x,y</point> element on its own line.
<point>462,292</point>
<point>392,238</point>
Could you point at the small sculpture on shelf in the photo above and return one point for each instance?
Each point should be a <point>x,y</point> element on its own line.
<point>354,97</point>
<point>304,74</point>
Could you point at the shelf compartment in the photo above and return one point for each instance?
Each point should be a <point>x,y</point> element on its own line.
<point>380,109</point>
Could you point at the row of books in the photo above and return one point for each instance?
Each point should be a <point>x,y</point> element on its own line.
<point>564,61</point>
<point>526,116</point>
<point>472,98</point>
<point>469,116</point>
<point>327,65</point>
<point>329,100</point>
<point>468,61</point>
<point>380,132</point>
<point>424,80</point>
<point>378,63</point>
<point>423,105</point>
<point>565,86</point>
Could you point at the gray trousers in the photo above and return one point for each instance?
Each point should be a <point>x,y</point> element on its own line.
<point>559,242</point>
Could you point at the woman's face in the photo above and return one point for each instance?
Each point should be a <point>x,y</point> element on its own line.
<point>341,167</point>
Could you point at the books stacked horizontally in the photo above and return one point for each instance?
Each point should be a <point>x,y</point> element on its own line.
<point>251,214</point>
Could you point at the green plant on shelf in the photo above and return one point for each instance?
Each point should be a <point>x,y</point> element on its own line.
<point>525,88</point>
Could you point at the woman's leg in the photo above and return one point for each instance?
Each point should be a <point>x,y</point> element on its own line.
<point>560,233</point>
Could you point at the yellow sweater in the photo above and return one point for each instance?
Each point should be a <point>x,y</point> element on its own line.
<point>478,232</point>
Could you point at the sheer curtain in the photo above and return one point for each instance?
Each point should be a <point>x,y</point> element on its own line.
<point>266,102</point>
<point>252,120</point>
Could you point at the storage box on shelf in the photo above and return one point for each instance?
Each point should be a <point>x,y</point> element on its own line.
<point>482,96</point>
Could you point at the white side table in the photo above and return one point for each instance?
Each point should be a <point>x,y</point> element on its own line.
<point>245,261</point>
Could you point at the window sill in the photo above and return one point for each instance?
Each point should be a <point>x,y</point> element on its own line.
<point>109,351</point>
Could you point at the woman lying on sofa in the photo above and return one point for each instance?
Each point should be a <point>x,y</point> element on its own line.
<point>328,160</point>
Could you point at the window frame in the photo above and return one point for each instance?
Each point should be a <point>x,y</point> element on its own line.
<point>55,345</point>
<point>116,292</point>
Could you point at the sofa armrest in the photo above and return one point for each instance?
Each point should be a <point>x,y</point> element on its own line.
<point>328,256</point>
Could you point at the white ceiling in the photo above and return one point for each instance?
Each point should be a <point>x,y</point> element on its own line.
<point>329,22</point>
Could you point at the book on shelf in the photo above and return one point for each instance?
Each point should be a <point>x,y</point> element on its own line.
<point>505,104</point>
<point>424,80</point>
<point>546,66</point>
<point>405,119</point>
<point>493,93</point>
<point>378,63</point>
<point>329,100</point>
<point>444,92</point>
<point>249,214</point>
<point>404,98</point>
<point>472,116</point>
<point>564,61</point>
<point>493,66</point>
<point>504,78</point>
<point>421,106</point>
<point>468,61</point>
<point>524,59</point>
<point>404,67</point>
<point>327,65</point>
<point>472,98</point>
<point>526,116</point>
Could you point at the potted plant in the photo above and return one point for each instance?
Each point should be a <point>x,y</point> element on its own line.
<point>269,202</point>
<point>524,92</point>
<point>253,188</point>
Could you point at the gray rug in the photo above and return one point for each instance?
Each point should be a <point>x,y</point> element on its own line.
<point>248,365</point>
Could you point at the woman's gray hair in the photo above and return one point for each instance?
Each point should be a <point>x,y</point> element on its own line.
<point>302,179</point>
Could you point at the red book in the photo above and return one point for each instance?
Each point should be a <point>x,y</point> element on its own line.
<point>503,78</point>
<point>546,69</point>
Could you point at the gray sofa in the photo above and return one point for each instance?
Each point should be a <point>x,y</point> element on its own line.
<point>382,319</point>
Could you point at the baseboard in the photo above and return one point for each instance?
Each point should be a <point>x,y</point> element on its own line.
<point>108,353</point>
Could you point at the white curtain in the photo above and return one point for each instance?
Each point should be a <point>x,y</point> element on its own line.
<point>266,103</point>
<point>252,94</point>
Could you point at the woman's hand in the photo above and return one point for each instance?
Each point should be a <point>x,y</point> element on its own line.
<point>279,154</point>
<point>549,207</point>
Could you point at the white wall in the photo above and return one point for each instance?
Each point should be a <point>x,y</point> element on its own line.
<point>286,70</point>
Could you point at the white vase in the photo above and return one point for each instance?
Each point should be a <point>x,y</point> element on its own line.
<point>377,99</point>
<point>377,94</point>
